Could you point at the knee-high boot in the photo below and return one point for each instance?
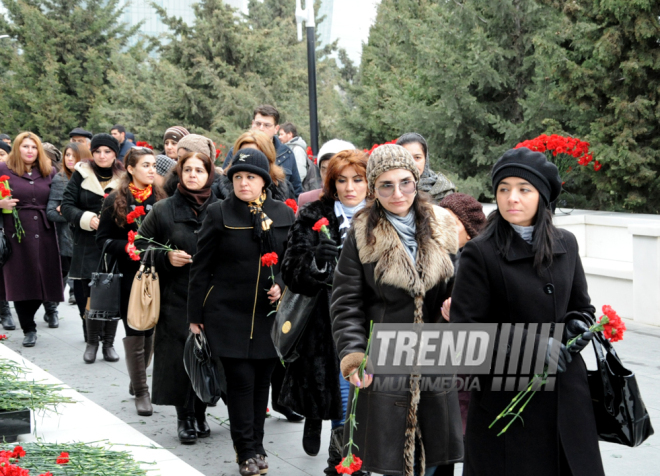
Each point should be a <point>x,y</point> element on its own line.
<point>109,332</point>
<point>5,315</point>
<point>135,363</point>
<point>93,332</point>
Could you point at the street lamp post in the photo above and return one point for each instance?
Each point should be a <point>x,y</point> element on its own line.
<point>307,15</point>
<point>3,36</point>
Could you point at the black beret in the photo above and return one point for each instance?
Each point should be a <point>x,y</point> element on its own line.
<point>531,166</point>
<point>107,140</point>
<point>250,160</point>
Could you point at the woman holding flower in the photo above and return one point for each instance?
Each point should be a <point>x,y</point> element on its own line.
<point>33,273</point>
<point>176,222</point>
<point>313,385</point>
<point>522,269</point>
<point>81,206</point>
<point>136,189</point>
<point>232,297</point>
<point>396,266</point>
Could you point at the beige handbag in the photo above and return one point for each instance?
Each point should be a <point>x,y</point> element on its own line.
<point>144,303</point>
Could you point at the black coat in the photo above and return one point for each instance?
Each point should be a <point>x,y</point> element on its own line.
<point>311,382</point>
<point>64,235</point>
<point>172,221</point>
<point>490,288</point>
<point>228,285</point>
<point>82,200</point>
<point>378,282</point>
<point>282,191</point>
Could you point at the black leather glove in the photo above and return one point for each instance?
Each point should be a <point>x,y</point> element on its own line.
<point>562,360</point>
<point>573,329</point>
<point>326,251</point>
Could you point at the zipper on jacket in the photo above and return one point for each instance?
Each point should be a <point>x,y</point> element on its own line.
<point>207,295</point>
<point>256,294</point>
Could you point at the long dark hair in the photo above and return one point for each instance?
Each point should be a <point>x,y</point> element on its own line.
<point>423,212</point>
<point>543,239</point>
<point>122,192</point>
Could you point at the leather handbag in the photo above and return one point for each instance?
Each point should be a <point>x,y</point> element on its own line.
<point>5,248</point>
<point>105,292</point>
<point>293,313</point>
<point>621,416</point>
<point>204,374</point>
<point>144,303</point>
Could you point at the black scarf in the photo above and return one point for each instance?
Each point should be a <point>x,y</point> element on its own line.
<point>103,174</point>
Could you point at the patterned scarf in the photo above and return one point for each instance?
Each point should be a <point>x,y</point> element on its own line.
<point>140,194</point>
<point>261,224</point>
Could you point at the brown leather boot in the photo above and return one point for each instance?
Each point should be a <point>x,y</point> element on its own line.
<point>248,468</point>
<point>262,463</point>
<point>134,347</point>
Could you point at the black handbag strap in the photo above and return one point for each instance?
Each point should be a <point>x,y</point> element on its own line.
<point>103,262</point>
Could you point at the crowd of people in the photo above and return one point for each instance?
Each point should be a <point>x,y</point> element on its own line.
<point>402,246</point>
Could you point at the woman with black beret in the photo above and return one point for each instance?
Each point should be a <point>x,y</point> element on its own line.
<point>522,269</point>
<point>231,296</point>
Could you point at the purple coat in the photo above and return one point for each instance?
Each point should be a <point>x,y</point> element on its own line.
<point>33,270</point>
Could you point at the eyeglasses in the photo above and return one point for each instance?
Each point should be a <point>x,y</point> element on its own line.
<point>387,189</point>
<point>262,125</point>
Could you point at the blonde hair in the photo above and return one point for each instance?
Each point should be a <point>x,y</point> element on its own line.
<point>265,145</point>
<point>16,164</point>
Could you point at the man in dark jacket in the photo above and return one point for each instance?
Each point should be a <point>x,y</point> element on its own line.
<point>119,132</point>
<point>266,119</point>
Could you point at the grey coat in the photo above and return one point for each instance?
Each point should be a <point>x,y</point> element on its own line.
<point>64,235</point>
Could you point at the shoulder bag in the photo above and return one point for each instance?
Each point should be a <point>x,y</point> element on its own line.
<point>105,292</point>
<point>204,374</point>
<point>144,303</point>
<point>293,314</point>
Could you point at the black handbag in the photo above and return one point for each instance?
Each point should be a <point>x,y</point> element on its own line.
<point>206,378</point>
<point>5,248</point>
<point>293,313</point>
<point>621,416</point>
<point>105,292</point>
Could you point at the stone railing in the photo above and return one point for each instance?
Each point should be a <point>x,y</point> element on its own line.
<point>620,253</point>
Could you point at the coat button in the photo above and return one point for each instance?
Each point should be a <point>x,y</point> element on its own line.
<point>31,182</point>
<point>34,200</point>
<point>36,236</point>
<point>36,218</point>
<point>549,289</point>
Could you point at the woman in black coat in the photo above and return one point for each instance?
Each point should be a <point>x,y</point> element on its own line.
<point>313,385</point>
<point>175,222</point>
<point>231,297</point>
<point>81,206</point>
<point>524,270</point>
<point>396,267</point>
<point>136,189</point>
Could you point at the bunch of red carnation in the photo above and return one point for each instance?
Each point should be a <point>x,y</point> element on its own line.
<point>613,326</point>
<point>557,144</point>
<point>9,460</point>
<point>144,143</point>
<point>135,215</point>
<point>376,146</point>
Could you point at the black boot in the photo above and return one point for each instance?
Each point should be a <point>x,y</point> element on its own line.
<point>109,331</point>
<point>312,436</point>
<point>335,451</point>
<point>52,316</point>
<point>134,346</point>
<point>93,330</point>
<point>148,354</point>
<point>203,428</point>
<point>186,426</point>
<point>5,315</point>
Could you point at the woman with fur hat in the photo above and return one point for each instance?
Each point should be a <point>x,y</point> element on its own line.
<point>522,269</point>
<point>232,296</point>
<point>396,266</point>
<point>177,221</point>
<point>81,206</point>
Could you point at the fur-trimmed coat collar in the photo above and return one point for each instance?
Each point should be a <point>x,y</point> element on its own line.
<point>91,182</point>
<point>394,266</point>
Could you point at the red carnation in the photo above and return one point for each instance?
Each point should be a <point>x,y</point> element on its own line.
<point>142,143</point>
<point>133,252</point>
<point>613,326</point>
<point>318,226</point>
<point>292,204</point>
<point>63,458</point>
<point>131,236</point>
<point>269,259</point>
<point>4,178</point>
<point>18,452</point>
<point>4,192</point>
<point>597,166</point>
<point>139,211</point>
<point>349,465</point>
<point>3,337</point>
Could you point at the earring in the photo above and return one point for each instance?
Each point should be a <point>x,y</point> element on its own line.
<point>336,196</point>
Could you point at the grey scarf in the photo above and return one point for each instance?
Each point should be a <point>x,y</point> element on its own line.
<point>406,229</point>
<point>525,232</point>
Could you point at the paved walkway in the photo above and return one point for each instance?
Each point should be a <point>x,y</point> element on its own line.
<point>59,351</point>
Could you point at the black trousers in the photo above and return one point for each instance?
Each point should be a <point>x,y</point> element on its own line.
<point>26,311</point>
<point>81,292</point>
<point>248,384</point>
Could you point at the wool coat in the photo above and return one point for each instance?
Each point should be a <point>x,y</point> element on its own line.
<point>33,271</point>
<point>228,285</point>
<point>64,235</point>
<point>379,282</point>
<point>82,200</point>
<point>172,221</point>
<point>311,382</point>
<point>491,288</point>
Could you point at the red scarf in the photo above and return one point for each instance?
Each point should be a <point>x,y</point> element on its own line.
<point>140,194</point>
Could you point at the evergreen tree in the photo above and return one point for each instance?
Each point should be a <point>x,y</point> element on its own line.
<point>58,62</point>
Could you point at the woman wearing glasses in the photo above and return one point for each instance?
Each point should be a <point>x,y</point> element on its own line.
<point>396,267</point>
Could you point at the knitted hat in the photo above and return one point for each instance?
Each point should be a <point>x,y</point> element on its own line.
<point>468,210</point>
<point>333,147</point>
<point>197,143</point>
<point>52,152</point>
<point>531,166</point>
<point>130,136</point>
<point>104,139</point>
<point>250,160</point>
<point>79,131</point>
<point>4,146</point>
<point>389,157</point>
<point>175,133</point>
